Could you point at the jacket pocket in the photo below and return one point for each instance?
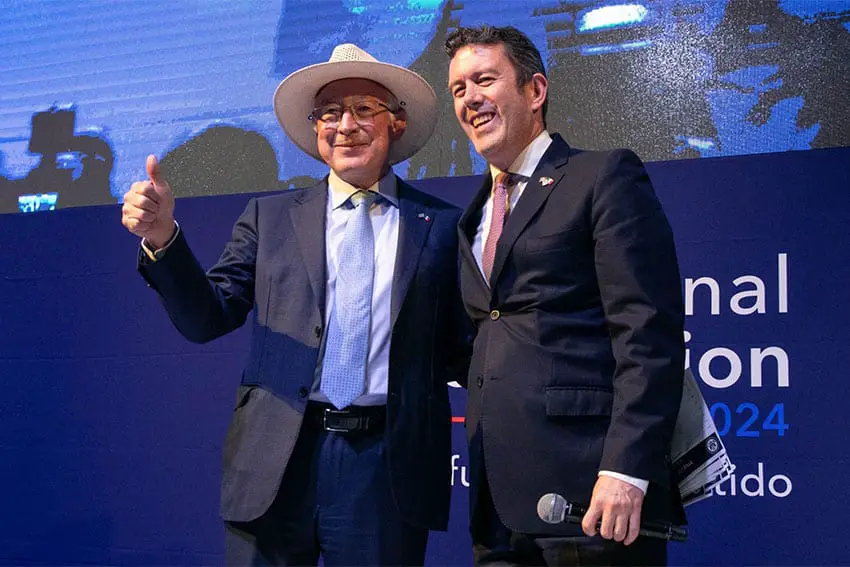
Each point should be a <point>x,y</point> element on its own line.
<point>578,401</point>
<point>563,240</point>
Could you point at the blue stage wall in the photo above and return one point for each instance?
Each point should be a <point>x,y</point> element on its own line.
<point>111,424</point>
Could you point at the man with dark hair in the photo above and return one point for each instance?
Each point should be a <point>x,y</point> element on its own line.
<point>570,274</point>
<point>339,444</point>
<point>520,51</point>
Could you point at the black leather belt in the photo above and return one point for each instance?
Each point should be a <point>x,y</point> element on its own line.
<point>355,420</point>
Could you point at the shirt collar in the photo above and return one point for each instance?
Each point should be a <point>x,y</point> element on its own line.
<point>341,191</point>
<point>526,162</point>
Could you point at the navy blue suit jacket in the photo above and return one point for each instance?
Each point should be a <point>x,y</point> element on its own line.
<point>578,360</point>
<point>274,269</point>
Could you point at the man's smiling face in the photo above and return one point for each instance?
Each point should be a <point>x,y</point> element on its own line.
<point>357,149</point>
<point>500,117</point>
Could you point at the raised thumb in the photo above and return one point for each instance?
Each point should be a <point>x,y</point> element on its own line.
<point>154,172</point>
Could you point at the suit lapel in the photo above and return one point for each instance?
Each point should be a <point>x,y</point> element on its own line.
<point>414,223</point>
<point>467,227</point>
<point>308,219</point>
<point>473,211</point>
<point>550,171</point>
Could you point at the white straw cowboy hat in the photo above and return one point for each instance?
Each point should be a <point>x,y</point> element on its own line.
<point>294,98</point>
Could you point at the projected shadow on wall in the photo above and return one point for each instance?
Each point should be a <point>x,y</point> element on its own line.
<point>668,78</point>
<point>73,169</point>
<point>8,200</point>
<point>790,68</point>
<point>221,160</point>
<point>218,160</point>
<point>225,159</point>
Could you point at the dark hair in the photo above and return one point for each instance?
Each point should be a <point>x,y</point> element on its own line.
<point>521,52</point>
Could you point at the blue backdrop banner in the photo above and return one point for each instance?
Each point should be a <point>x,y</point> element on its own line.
<point>111,424</point>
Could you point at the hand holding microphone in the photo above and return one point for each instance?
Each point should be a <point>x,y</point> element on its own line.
<point>554,509</point>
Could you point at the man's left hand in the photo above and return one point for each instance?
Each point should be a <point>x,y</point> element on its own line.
<point>617,503</point>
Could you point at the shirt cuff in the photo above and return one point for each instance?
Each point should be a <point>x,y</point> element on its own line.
<point>637,482</point>
<point>154,255</point>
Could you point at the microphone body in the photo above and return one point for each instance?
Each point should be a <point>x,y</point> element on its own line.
<point>555,509</point>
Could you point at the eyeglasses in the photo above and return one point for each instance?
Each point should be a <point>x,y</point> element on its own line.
<point>363,112</point>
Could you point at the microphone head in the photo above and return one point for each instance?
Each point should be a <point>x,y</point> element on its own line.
<point>551,508</point>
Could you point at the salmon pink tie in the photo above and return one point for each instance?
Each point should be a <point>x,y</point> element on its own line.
<point>497,221</point>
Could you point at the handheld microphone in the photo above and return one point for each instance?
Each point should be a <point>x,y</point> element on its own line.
<point>554,509</point>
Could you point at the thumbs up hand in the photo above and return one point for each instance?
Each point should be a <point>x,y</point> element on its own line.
<point>148,209</point>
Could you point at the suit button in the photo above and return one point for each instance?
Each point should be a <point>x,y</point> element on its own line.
<point>317,331</point>
<point>480,381</point>
<point>303,391</point>
<point>495,314</point>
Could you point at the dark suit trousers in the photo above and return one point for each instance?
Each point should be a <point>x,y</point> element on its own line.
<point>335,500</point>
<point>494,544</point>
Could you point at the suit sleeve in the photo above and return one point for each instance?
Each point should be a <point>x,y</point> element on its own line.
<point>639,284</point>
<point>460,337</point>
<point>456,331</point>
<point>206,305</point>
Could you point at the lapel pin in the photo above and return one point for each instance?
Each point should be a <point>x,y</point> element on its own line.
<point>544,181</point>
<point>424,217</point>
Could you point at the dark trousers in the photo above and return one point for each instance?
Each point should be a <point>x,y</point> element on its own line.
<point>335,500</point>
<point>495,544</point>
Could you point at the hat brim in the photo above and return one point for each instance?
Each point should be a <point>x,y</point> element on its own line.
<point>295,96</point>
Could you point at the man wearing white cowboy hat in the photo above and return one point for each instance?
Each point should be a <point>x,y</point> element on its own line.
<point>340,440</point>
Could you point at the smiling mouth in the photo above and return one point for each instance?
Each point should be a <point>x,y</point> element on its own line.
<point>481,119</point>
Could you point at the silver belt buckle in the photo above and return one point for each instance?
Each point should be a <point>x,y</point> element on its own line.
<point>327,427</point>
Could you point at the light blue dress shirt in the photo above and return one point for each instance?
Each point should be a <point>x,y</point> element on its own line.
<point>385,219</point>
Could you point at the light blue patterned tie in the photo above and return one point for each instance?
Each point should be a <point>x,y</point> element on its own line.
<point>347,346</point>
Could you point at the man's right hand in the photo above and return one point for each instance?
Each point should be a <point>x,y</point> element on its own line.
<point>148,209</point>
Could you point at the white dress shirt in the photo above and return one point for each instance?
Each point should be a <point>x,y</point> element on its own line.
<point>524,166</point>
<point>384,217</point>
